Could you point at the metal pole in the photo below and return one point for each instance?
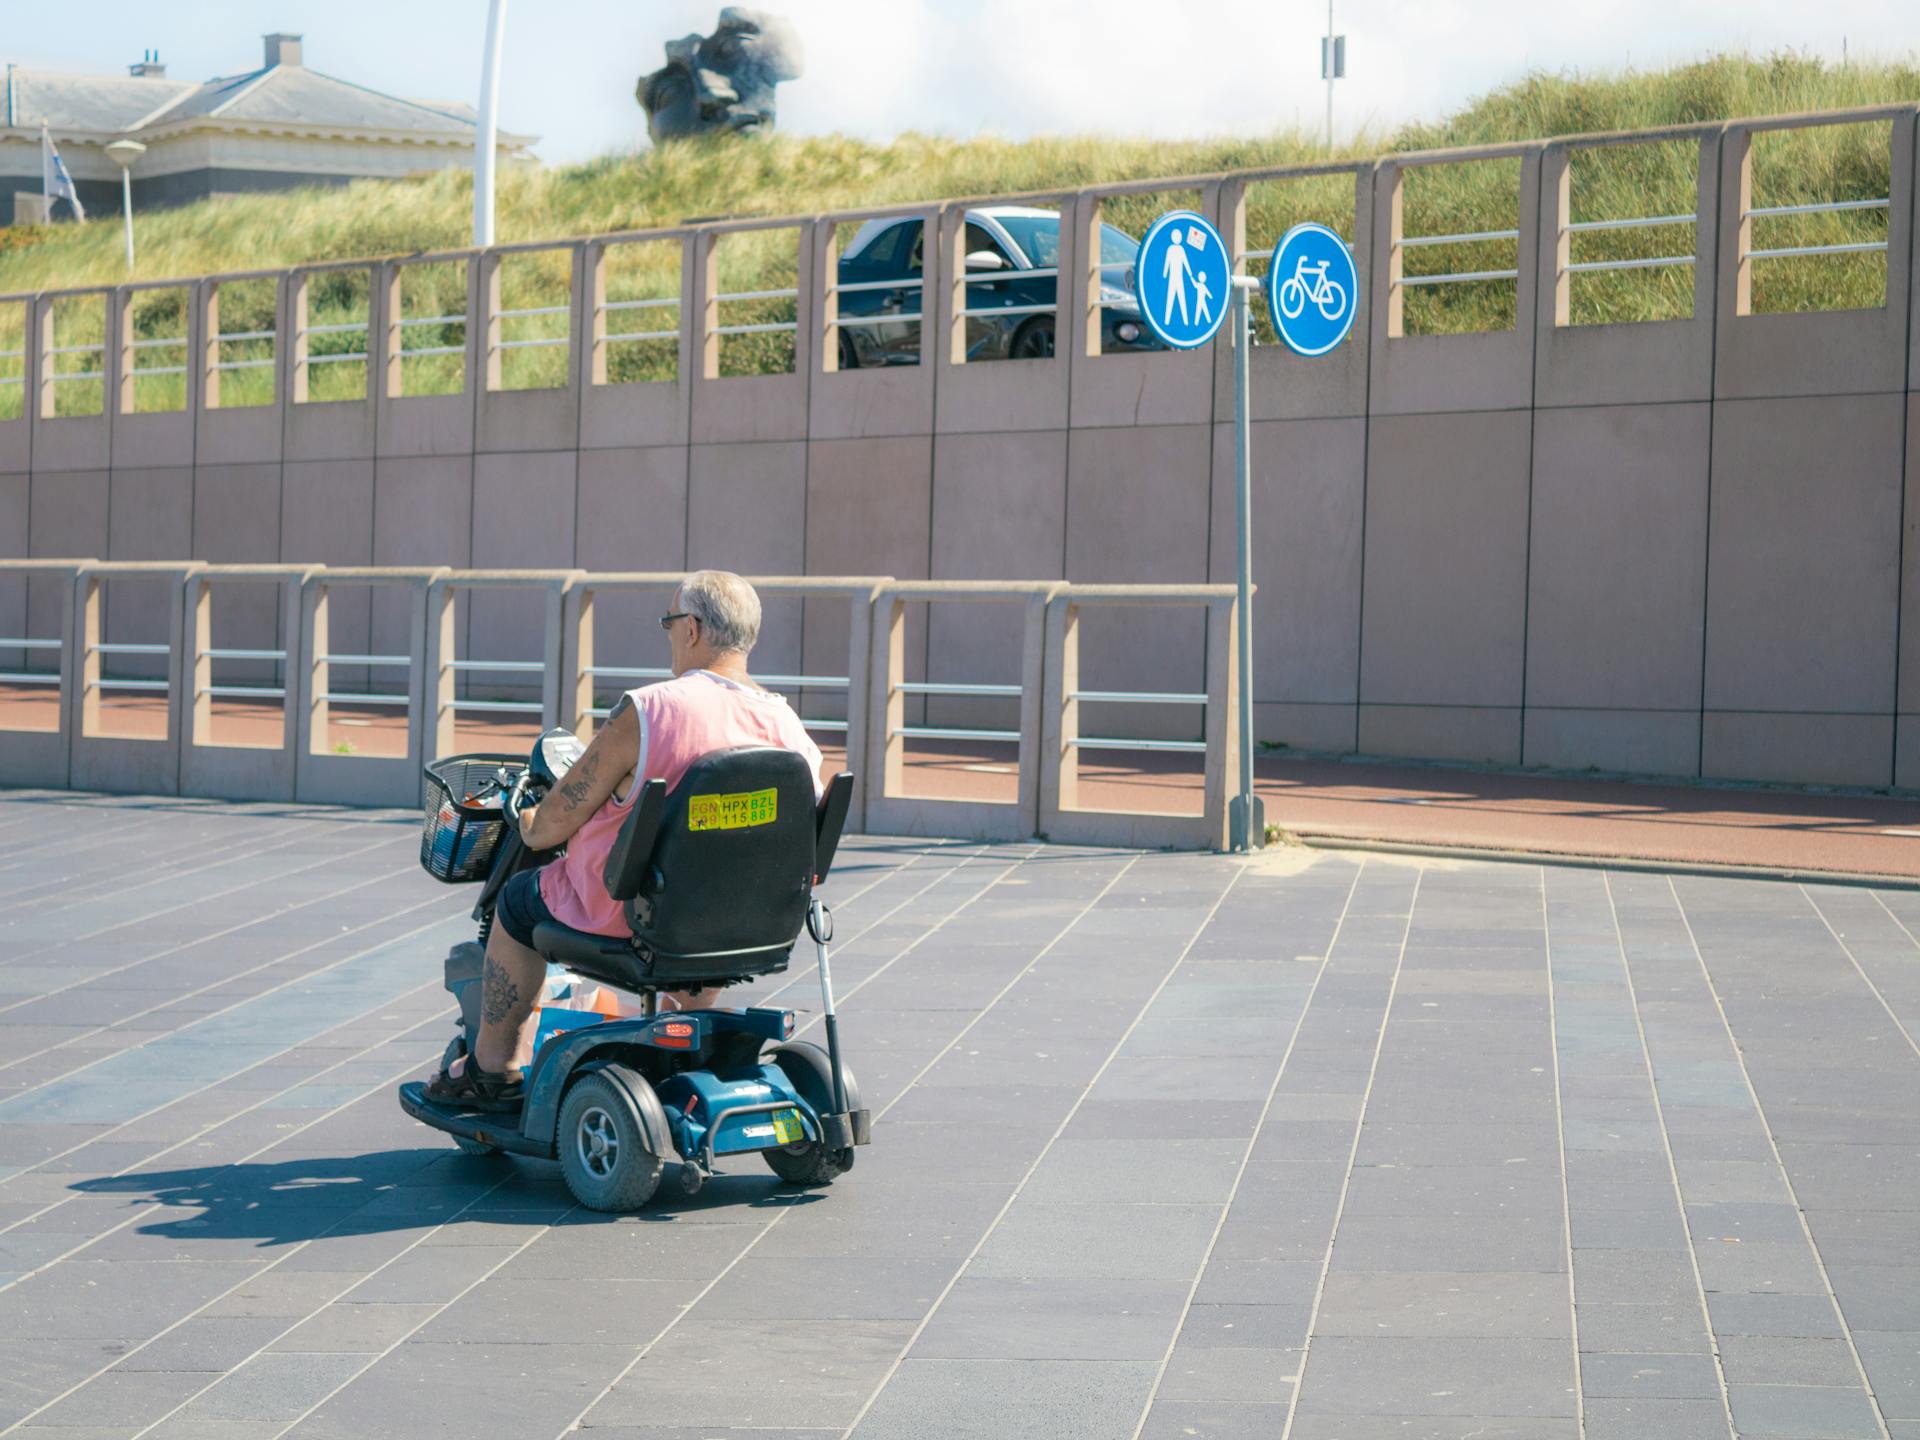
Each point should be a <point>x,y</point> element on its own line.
<point>1329,64</point>
<point>1246,816</point>
<point>126,210</point>
<point>485,137</point>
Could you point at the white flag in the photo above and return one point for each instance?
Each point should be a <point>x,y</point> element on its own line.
<point>56,183</point>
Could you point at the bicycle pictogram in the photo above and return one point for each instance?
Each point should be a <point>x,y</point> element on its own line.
<point>1297,290</point>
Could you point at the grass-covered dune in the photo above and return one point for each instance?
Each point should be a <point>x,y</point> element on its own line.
<point>782,176</point>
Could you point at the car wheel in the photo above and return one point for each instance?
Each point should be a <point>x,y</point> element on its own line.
<point>849,352</point>
<point>603,1153</point>
<point>1033,340</point>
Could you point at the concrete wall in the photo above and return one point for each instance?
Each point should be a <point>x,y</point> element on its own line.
<point>1672,548</point>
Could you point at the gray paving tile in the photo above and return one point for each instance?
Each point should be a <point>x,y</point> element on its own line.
<point>1787,1360</point>
<point>206,1342</point>
<point>1268,1327</point>
<point>1892,1361</point>
<point>123,1397</point>
<point>1808,1316</point>
<point>1528,1186</point>
<point>1139,1242</point>
<point>1878,1297</point>
<point>423,1276</point>
<point>1440,1304</point>
<point>1002,1400</point>
<point>345,1329</point>
<point>1655,1419</point>
<point>823,1288</point>
<point>1056,1319</point>
<point>1426,1376</point>
<point>275,1387</point>
<point>1450,1242</point>
<point>1633,1277</point>
<point>1196,1171</point>
<point>1655,1229</point>
<point>777,1373</point>
<point>637,1248</point>
<point>1242,1374</point>
<point>1786,1269</point>
<point>1257,1282</point>
<point>1212,1420</point>
<point>1643,1329</point>
<point>1663,1377</point>
<point>543,1387</point>
<point>1816,1413</point>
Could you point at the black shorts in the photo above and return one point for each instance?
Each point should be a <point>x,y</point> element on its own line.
<point>520,907</point>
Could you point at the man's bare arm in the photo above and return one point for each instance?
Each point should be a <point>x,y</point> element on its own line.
<point>588,785</point>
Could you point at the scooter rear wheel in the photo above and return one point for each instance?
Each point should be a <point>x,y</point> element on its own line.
<point>603,1154</point>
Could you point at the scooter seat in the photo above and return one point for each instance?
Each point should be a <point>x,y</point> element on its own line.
<point>582,949</point>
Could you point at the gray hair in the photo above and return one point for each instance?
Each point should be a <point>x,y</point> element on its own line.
<point>726,606</point>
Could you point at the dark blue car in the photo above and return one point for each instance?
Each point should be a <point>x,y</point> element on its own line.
<point>1012,255</point>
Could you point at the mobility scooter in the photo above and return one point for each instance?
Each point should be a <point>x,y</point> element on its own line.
<point>717,879</point>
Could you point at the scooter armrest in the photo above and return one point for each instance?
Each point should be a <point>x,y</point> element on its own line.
<point>626,866</point>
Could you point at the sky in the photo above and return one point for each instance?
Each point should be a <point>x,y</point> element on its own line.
<point>1171,68</point>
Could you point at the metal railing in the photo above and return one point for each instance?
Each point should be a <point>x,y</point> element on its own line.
<point>1825,207</point>
<point>343,327</point>
<point>1462,277</point>
<point>404,323</point>
<point>770,327</point>
<point>952,732</point>
<point>633,336</point>
<point>1652,262</point>
<point>29,677</point>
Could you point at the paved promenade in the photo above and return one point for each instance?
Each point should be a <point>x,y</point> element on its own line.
<point>1321,1146</point>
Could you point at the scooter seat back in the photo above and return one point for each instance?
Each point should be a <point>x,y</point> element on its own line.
<point>726,888</point>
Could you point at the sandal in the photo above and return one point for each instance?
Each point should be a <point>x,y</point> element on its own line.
<point>477,1089</point>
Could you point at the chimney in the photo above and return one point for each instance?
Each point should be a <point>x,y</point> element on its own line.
<point>150,67</point>
<point>283,50</point>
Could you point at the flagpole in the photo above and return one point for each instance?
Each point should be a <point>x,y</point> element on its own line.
<point>46,175</point>
<point>487,131</point>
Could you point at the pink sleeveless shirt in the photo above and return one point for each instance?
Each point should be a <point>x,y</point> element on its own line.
<point>680,721</point>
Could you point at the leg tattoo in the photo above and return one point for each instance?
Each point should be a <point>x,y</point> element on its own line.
<point>498,993</point>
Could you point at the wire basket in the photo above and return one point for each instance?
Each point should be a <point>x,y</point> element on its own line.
<point>463,822</point>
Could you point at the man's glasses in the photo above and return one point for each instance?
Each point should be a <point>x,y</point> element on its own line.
<point>666,621</point>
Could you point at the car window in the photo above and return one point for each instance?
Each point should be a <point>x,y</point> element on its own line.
<point>1038,235</point>
<point>979,238</point>
<point>1117,247</point>
<point>893,249</point>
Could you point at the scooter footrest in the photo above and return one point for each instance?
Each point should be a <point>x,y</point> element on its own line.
<point>855,1127</point>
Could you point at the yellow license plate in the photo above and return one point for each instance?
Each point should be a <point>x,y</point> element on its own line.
<point>788,1128</point>
<point>732,812</point>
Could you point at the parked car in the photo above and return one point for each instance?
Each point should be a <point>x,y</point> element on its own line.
<point>1005,244</point>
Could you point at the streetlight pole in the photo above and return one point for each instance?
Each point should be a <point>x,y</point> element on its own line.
<point>123,154</point>
<point>1246,812</point>
<point>485,138</point>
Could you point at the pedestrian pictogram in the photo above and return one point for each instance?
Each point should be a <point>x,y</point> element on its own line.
<point>1182,278</point>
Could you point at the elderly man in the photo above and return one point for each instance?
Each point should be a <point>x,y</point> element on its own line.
<point>656,732</point>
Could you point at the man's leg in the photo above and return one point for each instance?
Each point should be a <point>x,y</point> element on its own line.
<point>509,990</point>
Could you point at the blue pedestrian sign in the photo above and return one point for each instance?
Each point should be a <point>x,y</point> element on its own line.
<point>1183,280</point>
<point>1312,289</point>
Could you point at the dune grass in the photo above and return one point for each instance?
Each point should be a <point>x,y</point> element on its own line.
<point>782,176</point>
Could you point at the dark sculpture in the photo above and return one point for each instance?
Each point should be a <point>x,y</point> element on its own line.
<point>722,81</point>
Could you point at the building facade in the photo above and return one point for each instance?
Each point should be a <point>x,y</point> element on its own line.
<point>277,127</point>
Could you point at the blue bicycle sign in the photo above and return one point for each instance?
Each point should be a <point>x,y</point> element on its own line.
<point>1182,279</point>
<point>1313,289</point>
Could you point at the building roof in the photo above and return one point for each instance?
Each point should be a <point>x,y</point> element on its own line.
<point>281,96</point>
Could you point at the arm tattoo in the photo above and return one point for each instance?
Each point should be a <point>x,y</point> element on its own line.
<point>498,994</point>
<point>579,782</point>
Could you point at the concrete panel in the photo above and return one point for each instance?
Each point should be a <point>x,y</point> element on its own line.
<point>1803,565</point>
<point>15,495</point>
<point>747,508</point>
<point>522,520</point>
<point>632,509</point>
<point>1446,561</point>
<point>1282,385</point>
<point>1801,748</point>
<point>869,511</point>
<point>875,400</point>
<point>1617,595</point>
<point>422,515</point>
<point>326,517</point>
<point>1906,753</point>
<point>1473,733</point>
<point>1414,374</point>
<point>1305,727</point>
<point>1646,742</point>
<point>16,443</point>
<point>1659,360</point>
<point>1309,487</point>
<point>1001,395</point>
<point>1909,689</point>
<point>999,513</point>
<point>1838,352</point>
<point>150,514</point>
<point>236,514</point>
<point>1137,512</point>
<point>68,520</point>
